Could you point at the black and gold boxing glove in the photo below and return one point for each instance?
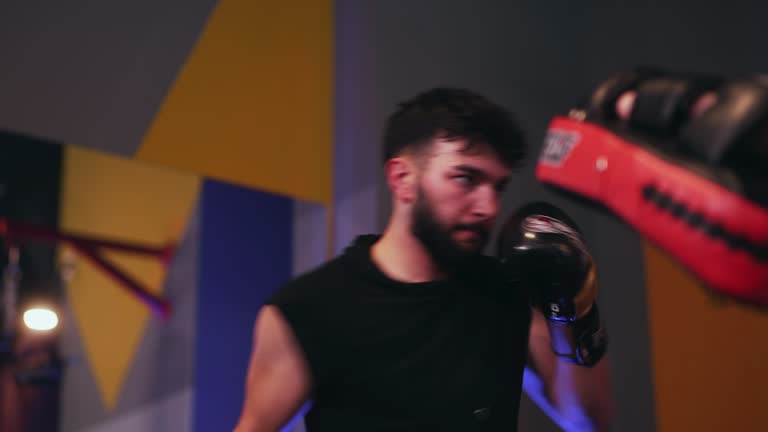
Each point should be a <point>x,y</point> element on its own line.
<point>543,249</point>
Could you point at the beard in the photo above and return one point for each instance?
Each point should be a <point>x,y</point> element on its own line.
<point>449,254</point>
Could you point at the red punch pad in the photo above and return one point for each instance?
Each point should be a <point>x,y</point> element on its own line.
<point>713,231</point>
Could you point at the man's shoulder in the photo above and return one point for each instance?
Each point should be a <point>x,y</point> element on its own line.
<point>320,281</point>
<point>330,271</point>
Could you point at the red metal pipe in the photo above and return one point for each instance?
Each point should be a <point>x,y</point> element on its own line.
<point>157,304</point>
<point>37,232</point>
<point>88,246</point>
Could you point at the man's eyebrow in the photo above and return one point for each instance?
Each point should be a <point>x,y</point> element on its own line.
<point>469,169</point>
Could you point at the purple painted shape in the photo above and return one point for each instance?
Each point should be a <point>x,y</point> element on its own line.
<point>356,154</point>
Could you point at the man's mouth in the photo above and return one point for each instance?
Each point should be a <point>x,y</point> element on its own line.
<point>472,235</point>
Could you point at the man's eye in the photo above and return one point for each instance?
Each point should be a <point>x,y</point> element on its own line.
<point>464,179</point>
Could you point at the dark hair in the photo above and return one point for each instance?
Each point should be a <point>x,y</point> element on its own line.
<point>454,113</point>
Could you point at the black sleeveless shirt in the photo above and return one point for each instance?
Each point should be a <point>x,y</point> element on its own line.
<point>392,356</point>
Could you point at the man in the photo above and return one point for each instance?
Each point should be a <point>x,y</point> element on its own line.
<point>416,329</point>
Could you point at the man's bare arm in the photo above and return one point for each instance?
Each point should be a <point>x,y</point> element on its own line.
<point>576,397</point>
<point>278,380</point>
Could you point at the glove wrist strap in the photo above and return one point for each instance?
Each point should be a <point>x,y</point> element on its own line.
<point>582,341</point>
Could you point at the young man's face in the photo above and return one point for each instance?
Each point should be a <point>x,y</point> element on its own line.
<point>458,200</point>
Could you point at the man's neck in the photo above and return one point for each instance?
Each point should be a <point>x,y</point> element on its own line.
<point>401,256</point>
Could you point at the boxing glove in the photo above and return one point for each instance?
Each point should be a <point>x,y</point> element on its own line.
<point>542,249</point>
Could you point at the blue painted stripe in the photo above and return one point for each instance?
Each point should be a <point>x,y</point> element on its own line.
<point>245,254</point>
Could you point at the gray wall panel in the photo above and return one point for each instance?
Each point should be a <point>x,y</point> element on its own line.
<point>171,413</point>
<point>164,360</point>
<point>92,73</point>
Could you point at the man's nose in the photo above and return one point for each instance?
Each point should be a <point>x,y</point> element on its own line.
<point>486,203</point>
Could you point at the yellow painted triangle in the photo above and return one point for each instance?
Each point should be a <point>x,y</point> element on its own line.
<point>253,105</point>
<point>127,200</point>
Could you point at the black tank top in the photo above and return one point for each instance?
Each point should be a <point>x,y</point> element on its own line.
<point>393,356</point>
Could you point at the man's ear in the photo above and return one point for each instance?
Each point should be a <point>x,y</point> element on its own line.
<point>401,176</point>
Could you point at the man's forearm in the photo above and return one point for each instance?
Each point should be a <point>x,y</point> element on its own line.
<point>583,395</point>
<point>575,397</point>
